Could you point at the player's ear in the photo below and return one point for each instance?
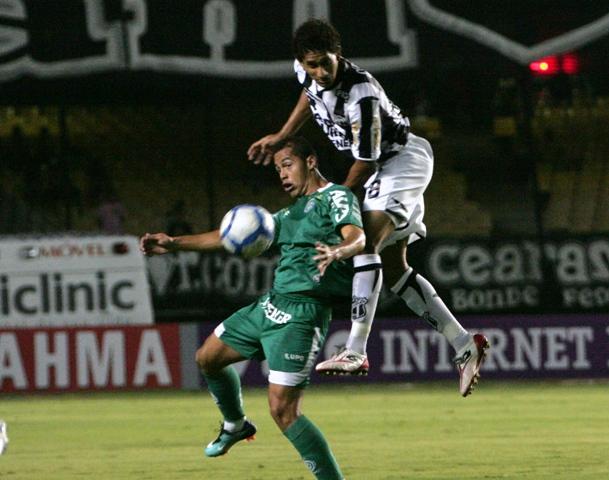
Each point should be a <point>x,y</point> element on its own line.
<point>311,162</point>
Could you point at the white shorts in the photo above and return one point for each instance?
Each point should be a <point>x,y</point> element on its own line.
<point>397,189</point>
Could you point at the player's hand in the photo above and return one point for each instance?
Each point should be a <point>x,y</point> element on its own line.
<point>262,150</point>
<point>156,244</point>
<point>325,256</point>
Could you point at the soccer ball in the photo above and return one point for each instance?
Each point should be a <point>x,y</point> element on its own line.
<point>247,230</point>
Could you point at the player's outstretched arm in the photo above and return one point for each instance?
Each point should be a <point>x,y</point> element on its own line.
<point>161,243</point>
<point>261,151</point>
<point>352,244</point>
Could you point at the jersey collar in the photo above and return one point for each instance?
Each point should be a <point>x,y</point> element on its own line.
<point>325,187</point>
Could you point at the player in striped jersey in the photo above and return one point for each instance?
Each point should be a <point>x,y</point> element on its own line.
<point>395,166</point>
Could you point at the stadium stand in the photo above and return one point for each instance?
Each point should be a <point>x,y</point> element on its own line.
<point>574,170</point>
<point>156,155</point>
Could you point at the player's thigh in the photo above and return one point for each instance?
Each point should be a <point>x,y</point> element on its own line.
<point>214,355</point>
<point>291,347</point>
<point>378,225</point>
<point>244,328</point>
<point>400,182</point>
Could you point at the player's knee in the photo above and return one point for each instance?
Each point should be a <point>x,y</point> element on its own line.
<point>284,413</point>
<point>204,361</point>
<point>370,248</point>
<point>373,243</point>
<point>200,358</point>
<point>374,240</point>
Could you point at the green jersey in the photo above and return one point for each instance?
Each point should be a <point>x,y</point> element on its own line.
<point>314,218</point>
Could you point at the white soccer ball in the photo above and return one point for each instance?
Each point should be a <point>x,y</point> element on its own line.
<point>247,230</point>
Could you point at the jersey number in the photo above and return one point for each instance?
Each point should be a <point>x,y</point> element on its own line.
<point>374,189</point>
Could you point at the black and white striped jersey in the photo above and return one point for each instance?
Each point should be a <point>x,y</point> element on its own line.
<point>356,114</point>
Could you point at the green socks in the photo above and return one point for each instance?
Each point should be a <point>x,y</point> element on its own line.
<point>314,449</point>
<point>225,388</point>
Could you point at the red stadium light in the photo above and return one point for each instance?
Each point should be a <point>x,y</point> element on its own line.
<point>570,64</point>
<point>545,66</point>
<point>567,64</point>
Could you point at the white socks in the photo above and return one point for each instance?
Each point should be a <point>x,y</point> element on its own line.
<point>367,283</point>
<point>423,300</point>
<point>415,290</point>
<point>234,425</point>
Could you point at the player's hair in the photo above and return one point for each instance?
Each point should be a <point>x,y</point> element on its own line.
<point>300,146</point>
<point>315,35</point>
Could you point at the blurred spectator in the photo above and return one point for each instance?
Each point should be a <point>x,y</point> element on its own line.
<point>176,223</point>
<point>111,214</point>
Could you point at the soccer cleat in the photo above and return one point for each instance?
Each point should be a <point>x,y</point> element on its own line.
<point>469,360</point>
<point>3,437</point>
<point>226,440</point>
<point>344,362</point>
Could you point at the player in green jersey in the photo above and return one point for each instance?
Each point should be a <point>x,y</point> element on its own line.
<point>316,235</point>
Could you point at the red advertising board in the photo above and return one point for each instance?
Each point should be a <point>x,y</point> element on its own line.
<point>98,358</point>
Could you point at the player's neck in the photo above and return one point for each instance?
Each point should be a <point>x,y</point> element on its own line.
<point>339,73</point>
<point>316,182</point>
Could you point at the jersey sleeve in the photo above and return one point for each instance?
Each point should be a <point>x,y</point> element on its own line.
<point>365,120</point>
<point>344,208</point>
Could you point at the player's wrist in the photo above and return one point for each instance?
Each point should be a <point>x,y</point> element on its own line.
<point>338,253</point>
<point>172,244</point>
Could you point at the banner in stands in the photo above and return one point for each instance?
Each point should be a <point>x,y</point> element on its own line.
<point>569,274</point>
<point>522,346</point>
<point>101,358</point>
<point>223,38</point>
<point>206,286</point>
<point>564,42</point>
<point>59,281</point>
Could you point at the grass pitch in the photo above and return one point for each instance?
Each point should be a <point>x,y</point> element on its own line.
<point>549,430</point>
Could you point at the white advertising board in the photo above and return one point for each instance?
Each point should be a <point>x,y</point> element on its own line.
<point>72,280</point>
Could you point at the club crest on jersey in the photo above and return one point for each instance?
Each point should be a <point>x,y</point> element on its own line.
<point>309,206</point>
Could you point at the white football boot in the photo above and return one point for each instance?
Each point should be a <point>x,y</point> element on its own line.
<point>344,362</point>
<point>469,360</point>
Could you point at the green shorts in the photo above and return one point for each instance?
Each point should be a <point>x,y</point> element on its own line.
<point>286,330</point>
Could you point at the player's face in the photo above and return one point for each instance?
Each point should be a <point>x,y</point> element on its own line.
<point>321,67</point>
<point>293,172</point>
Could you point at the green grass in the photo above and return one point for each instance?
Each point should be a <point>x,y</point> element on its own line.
<point>549,430</point>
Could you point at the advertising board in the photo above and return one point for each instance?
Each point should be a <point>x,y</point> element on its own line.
<point>71,280</point>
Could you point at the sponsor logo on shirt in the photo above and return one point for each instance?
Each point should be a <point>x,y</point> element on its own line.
<point>294,356</point>
<point>272,313</point>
